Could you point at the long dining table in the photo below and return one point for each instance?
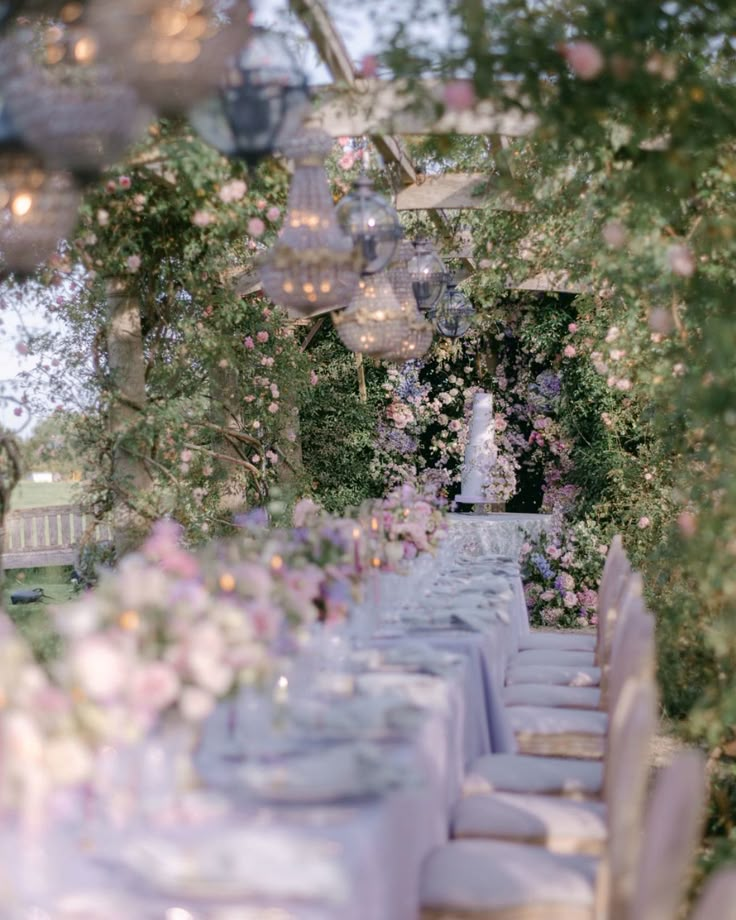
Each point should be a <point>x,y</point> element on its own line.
<point>360,856</point>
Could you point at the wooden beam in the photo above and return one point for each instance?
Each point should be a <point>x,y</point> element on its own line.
<point>396,107</point>
<point>549,281</point>
<point>454,191</point>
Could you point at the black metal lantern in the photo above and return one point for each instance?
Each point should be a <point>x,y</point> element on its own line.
<point>38,207</point>
<point>262,101</point>
<point>428,275</point>
<point>454,315</point>
<point>372,223</point>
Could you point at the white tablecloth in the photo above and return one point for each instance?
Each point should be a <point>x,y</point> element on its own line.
<point>495,533</point>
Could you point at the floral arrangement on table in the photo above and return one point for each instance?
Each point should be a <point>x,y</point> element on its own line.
<point>561,570</point>
<point>172,631</point>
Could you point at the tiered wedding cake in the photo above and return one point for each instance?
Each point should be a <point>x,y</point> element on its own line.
<point>480,452</point>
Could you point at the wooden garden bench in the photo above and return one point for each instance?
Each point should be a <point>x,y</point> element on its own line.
<point>36,537</point>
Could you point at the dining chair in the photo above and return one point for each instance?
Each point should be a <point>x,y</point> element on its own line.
<point>565,825</point>
<point>562,732</point>
<point>496,880</point>
<point>565,775</point>
<point>672,832</point>
<point>718,900</point>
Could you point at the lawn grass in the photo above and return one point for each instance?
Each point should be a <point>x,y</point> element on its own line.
<point>42,494</point>
<point>34,620</point>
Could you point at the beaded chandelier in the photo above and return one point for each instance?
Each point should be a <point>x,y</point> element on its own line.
<point>417,336</point>
<point>174,52</point>
<point>312,268</point>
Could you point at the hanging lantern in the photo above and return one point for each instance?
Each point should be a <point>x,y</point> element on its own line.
<point>174,52</point>
<point>37,207</point>
<point>428,275</point>
<point>311,269</point>
<point>373,225</point>
<point>454,316</point>
<point>416,338</point>
<point>263,99</point>
<point>67,107</point>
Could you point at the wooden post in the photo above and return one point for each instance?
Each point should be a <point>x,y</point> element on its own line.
<point>130,476</point>
<point>362,389</point>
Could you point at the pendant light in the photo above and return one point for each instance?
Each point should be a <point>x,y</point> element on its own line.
<point>454,315</point>
<point>372,223</point>
<point>311,269</point>
<point>428,274</point>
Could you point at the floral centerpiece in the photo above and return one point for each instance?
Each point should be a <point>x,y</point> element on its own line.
<point>561,570</point>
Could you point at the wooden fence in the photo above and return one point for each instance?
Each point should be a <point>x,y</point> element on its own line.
<point>48,536</point>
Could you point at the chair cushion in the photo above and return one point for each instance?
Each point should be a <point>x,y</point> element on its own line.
<point>551,695</point>
<point>550,732</point>
<point>549,720</point>
<point>560,825</point>
<point>541,775</point>
<point>477,875</point>
<point>559,675</point>
<point>562,641</point>
<point>555,657</point>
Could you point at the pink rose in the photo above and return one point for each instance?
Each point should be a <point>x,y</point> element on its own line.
<point>347,160</point>
<point>459,95</point>
<point>249,343</point>
<point>203,218</point>
<point>688,523</point>
<point>273,213</point>
<point>233,191</point>
<point>124,182</point>
<point>584,59</point>
<point>262,336</point>
<point>99,668</point>
<point>273,408</point>
<point>313,378</point>
<point>569,351</point>
<point>369,66</point>
<point>154,686</point>
<point>21,348</point>
<point>681,260</point>
<point>256,227</point>
<point>572,327</point>
<point>643,523</point>
<point>133,263</point>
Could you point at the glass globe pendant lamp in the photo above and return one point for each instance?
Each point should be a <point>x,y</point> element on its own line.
<point>454,315</point>
<point>262,101</point>
<point>174,52</point>
<point>311,269</point>
<point>65,105</point>
<point>38,207</point>
<point>372,223</point>
<point>428,274</point>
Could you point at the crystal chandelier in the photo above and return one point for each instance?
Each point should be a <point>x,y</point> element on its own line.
<point>174,52</point>
<point>416,338</point>
<point>37,207</point>
<point>454,315</point>
<point>428,274</point>
<point>373,225</point>
<point>263,99</point>
<point>67,107</point>
<point>311,268</point>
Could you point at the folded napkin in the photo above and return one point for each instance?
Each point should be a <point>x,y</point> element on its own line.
<point>239,862</point>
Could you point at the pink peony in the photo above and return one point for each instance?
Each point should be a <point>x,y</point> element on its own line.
<point>584,59</point>
<point>262,336</point>
<point>459,95</point>
<point>256,227</point>
<point>553,552</point>
<point>570,599</point>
